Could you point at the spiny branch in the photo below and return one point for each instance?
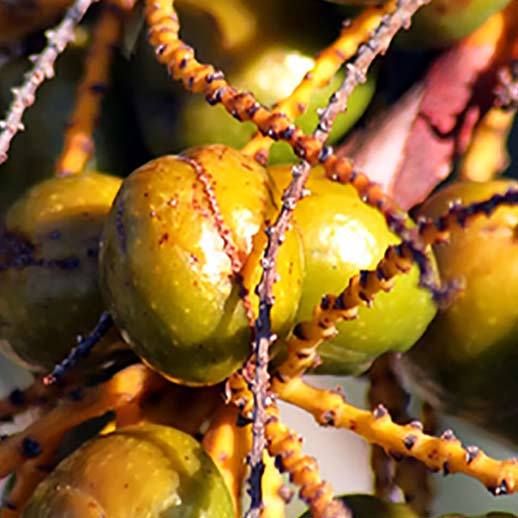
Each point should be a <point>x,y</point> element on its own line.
<point>445,453</point>
<point>327,64</point>
<point>25,95</point>
<point>81,350</point>
<point>356,72</point>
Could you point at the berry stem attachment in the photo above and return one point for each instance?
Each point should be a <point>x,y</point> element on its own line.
<point>25,95</point>
<point>82,349</point>
<point>79,143</point>
<point>355,74</point>
<point>302,345</point>
<point>327,64</point>
<point>124,388</point>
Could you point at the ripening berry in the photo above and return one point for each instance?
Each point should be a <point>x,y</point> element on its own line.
<point>341,236</point>
<point>49,290</point>
<point>182,247</point>
<point>138,471</point>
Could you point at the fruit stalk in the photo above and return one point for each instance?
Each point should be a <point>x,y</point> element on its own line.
<point>199,78</point>
<point>79,143</point>
<point>327,64</point>
<point>384,389</point>
<point>82,349</point>
<point>125,387</point>
<point>285,445</point>
<point>355,74</point>
<point>410,476</point>
<point>445,453</point>
<point>25,95</point>
<point>227,445</point>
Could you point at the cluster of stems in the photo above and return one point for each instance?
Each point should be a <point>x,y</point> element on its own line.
<point>253,392</point>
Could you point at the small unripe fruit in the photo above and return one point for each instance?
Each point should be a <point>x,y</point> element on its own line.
<point>49,292</point>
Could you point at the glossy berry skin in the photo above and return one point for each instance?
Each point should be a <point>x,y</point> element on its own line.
<point>49,290</point>
<point>142,471</point>
<point>342,236</point>
<point>271,75</point>
<point>466,361</point>
<point>443,22</point>
<point>166,273</point>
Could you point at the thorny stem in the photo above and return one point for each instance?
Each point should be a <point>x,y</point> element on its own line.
<point>355,73</point>
<point>82,349</point>
<point>328,62</point>
<point>445,453</point>
<point>201,78</point>
<point>362,288</point>
<point>24,96</point>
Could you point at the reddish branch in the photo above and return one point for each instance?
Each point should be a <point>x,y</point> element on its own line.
<point>356,72</point>
<point>25,95</point>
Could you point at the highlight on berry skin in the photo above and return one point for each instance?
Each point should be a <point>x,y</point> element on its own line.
<point>217,217</point>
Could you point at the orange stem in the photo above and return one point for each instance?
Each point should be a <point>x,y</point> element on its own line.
<point>79,143</point>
